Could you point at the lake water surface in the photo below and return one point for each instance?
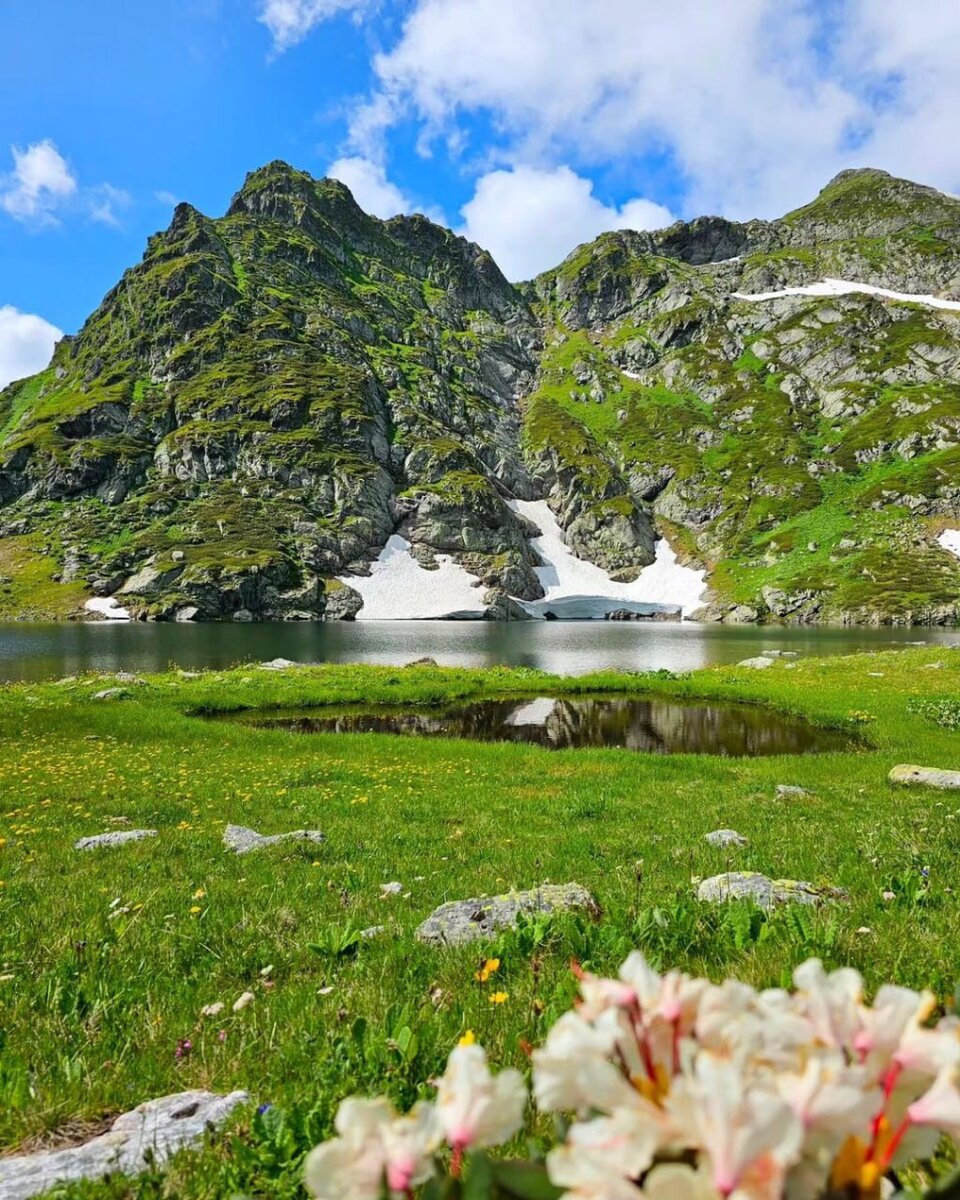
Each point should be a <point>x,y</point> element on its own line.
<point>644,724</point>
<point>561,647</point>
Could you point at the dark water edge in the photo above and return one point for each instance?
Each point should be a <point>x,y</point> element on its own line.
<point>647,725</point>
<point>51,651</point>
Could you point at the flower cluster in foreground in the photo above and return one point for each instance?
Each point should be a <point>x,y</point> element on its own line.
<point>680,1089</point>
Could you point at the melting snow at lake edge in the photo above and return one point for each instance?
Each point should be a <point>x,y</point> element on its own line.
<point>564,577</point>
<point>399,589</point>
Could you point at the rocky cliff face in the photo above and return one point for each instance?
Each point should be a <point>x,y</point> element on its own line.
<point>267,397</point>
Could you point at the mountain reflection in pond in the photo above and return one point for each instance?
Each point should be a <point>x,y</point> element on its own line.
<point>651,726</point>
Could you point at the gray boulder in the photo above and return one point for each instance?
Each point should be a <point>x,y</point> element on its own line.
<point>760,663</point>
<point>114,693</point>
<point>726,837</point>
<point>790,789</point>
<point>147,1136</point>
<point>114,839</point>
<point>764,892</point>
<point>934,777</point>
<point>242,840</point>
<point>463,921</point>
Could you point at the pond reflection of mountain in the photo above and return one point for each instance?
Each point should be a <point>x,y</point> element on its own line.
<point>647,725</point>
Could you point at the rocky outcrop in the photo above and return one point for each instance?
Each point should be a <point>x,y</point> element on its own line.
<point>764,892</point>
<point>463,921</point>
<point>932,777</point>
<point>242,840</point>
<point>146,1137</point>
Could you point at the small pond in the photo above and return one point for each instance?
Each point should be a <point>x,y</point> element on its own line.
<point>646,724</point>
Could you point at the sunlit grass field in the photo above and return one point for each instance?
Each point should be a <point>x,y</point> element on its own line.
<point>107,958</point>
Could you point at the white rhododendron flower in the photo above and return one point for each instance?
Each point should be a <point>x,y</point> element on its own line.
<point>375,1147</point>
<point>474,1107</point>
<point>744,1129</point>
<point>601,1158</point>
<point>574,1073</point>
<point>684,1090</point>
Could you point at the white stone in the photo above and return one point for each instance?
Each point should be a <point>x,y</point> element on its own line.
<point>764,892</point>
<point>149,1135</point>
<point>726,837</point>
<point>242,840</point>
<point>760,663</point>
<point>114,839</point>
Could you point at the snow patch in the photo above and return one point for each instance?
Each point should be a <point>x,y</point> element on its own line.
<point>536,712</point>
<point>846,287</point>
<point>566,578</point>
<point>950,540</point>
<point>629,374</point>
<point>108,607</point>
<point>399,589</point>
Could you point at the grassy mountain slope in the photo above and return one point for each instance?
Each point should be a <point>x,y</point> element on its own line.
<point>267,396</point>
<point>805,449</point>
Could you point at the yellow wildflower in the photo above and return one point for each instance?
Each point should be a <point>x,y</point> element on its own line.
<point>499,997</point>
<point>468,1038</point>
<point>489,968</point>
<point>195,909</point>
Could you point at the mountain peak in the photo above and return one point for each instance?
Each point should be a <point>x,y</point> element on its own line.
<point>855,173</point>
<point>285,192</point>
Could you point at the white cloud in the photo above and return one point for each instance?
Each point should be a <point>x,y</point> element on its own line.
<point>756,102</point>
<point>531,218</point>
<point>40,181</point>
<point>26,343</point>
<point>42,187</point>
<point>370,187</point>
<point>289,21</point>
<point>103,202</point>
<point>169,199</point>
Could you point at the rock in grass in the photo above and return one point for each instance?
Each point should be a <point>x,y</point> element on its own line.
<point>757,664</point>
<point>463,921</point>
<point>145,1137</point>
<point>764,892</point>
<point>114,839</point>
<point>933,777</point>
<point>112,694</point>
<point>242,840</point>
<point>278,664</point>
<point>790,789</point>
<point>726,837</point>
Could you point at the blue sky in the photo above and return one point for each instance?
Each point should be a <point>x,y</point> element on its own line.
<point>528,125</point>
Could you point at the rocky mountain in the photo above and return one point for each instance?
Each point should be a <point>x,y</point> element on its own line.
<point>269,397</point>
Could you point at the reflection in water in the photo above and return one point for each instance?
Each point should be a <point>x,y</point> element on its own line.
<point>649,725</point>
<point>562,647</point>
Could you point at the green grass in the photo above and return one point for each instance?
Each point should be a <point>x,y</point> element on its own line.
<point>28,590</point>
<point>107,958</point>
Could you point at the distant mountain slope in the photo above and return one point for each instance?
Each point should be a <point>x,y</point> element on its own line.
<point>268,397</point>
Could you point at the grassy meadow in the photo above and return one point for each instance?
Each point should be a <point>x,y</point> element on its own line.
<point>107,958</point>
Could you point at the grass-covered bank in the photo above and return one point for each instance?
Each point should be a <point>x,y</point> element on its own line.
<point>107,958</point>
